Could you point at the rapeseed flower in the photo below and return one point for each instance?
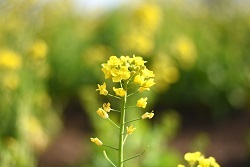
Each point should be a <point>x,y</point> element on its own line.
<point>102,113</point>
<point>208,162</point>
<point>196,159</point>
<point>130,129</point>
<point>192,158</point>
<point>96,141</point>
<point>142,102</point>
<point>119,91</point>
<point>102,89</point>
<point>147,115</point>
<point>139,79</point>
<point>146,85</point>
<point>106,107</point>
<point>120,74</point>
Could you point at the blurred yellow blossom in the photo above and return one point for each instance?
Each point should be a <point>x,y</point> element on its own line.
<point>94,54</point>
<point>192,157</point>
<point>138,42</point>
<point>34,132</point>
<point>147,115</point>
<point>130,129</point>
<point>10,60</point>
<point>197,159</point>
<point>11,81</point>
<point>148,16</point>
<point>142,102</point>
<point>180,165</point>
<point>119,91</point>
<point>208,162</point>
<point>96,141</point>
<point>39,49</point>
<point>102,113</point>
<point>102,89</point>
<point>185,51</point>
<point>166,71</point>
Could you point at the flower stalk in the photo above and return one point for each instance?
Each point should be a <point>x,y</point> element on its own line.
<point>128,73</point>
<point>122,127</point>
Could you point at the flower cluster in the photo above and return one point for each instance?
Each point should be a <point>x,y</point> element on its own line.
<point>127,68</point>
<point>196,159</point>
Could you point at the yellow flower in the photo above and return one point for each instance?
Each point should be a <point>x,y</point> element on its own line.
<point>124,59</point>
<point>114,61</point>
<point>142,102</point>
<point>204,162</point>
<point>147,115</point>
<point>192,157</point>
<point>139,79</point>
<point>197,159</point>
<point>96,141</point>
<point>10,60</point>
<point>102,89</point>
<point>141,89</point>
<point>138,60</point>
<point>130,129</point>
<point>208,162</point>
<point>120,74</point>
<point>106,107</point>
<point>102,113</point>
<point>147,73</point>
<point>146,85</point>
<point>106,69</point>
<point>119,91</point>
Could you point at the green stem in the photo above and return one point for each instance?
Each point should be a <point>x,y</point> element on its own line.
<point>136,155</point>
<point>133,120</point>
<point>114,96</point>
<point>110,147</point>
<point>106,156</point>
<point>122,127</point>
<point>125,139</point>
<point>133,93</point>
<point>113,123</point>
<point>131,106</point>
<point>114,110</point>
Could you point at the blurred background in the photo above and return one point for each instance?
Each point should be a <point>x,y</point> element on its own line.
<point>50,64</point>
